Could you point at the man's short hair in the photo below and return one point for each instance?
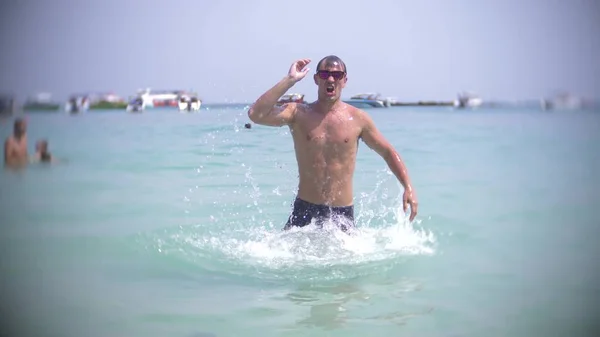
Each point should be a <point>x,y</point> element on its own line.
<point>330,61</point>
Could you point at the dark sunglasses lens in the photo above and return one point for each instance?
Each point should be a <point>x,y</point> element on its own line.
<point>323,74</point>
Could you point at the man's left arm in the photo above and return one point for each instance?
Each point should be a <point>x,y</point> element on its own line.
<point>377,142</point>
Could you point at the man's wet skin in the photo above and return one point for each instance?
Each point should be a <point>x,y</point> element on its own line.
<point>326,147</point>
<point>325,135</point>
<point>15,146</point>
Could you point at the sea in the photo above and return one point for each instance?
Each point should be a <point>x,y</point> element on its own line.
<point>169,224</point>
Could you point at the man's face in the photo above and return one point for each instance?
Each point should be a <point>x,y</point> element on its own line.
<point>41,146</point>
<point>331,79</point>
<point>20,128</point>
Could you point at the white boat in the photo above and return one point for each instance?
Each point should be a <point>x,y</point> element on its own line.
<point>291,98</point>
<point>136,104</point>
<point>468,100</point>
<point>369,99</point>
<point>77,104</point>
<point>188,103</point>
<point>159,98</point>
<point>562,101</point>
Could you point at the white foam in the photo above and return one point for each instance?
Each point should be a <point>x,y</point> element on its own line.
<point>382,234</point>
<point>301,252</point>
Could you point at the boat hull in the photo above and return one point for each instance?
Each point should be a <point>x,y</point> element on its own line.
<point>189,106</point>
<point>365,103</point>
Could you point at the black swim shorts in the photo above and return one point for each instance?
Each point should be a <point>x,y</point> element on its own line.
<point>304,212</point>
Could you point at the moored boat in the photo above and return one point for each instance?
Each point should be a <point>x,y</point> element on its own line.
<point>106,101</point>
<point>40,102</point>
<point>77,103</point>
<point>371,100</point>
<point>189,102</point>
<point>468,100</point>
<point>291,98</point>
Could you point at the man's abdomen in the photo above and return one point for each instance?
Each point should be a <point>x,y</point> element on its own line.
<point>327,185</point>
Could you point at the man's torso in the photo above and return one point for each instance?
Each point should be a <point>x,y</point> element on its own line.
<point>17,151</point>
<point>326,147</point>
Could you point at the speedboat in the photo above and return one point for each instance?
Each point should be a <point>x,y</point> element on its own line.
<point>77,104</point>
<point>189,103</point>
<point>291,98</point>
<point>158,98</point>
<point>468,100</point>
<point>368,100</point>
<point>135,105</point>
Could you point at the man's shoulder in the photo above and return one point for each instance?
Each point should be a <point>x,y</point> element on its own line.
<point>302,106</point>
<point>353,110</point>
<point>301,109</point>
<point>358,115</point>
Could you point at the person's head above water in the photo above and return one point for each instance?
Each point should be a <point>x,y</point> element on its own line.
<point>330,77</point>
<point>41,146</point>
<point>20,127</point>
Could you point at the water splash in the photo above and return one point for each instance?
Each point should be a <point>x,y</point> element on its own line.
<point>242,236</point>
<point>255,249</point>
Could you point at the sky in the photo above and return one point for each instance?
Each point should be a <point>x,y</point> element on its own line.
<point>234,50</point>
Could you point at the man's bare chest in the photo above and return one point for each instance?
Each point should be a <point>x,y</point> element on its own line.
<point>329,134</point>
<point>18,147</point>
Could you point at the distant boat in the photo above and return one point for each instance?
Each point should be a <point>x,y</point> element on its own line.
<point>41,102</point>
<point>106,101</point>
<point>562,101</point>
<point>188,103</point>
<point>291,98</point>
<point>468,100</point>
<point>160,98</point>
<point>136,104</point>
<point>369,100</point>
<point>77,104</point>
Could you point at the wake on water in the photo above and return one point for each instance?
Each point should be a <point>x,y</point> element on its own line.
<point>311,252</point>
<point>383,237</point>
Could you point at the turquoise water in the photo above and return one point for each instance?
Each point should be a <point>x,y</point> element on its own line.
<point>166,224</point>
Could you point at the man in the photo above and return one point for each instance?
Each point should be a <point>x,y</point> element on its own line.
<point>15,146</point>
<point>326,134</point>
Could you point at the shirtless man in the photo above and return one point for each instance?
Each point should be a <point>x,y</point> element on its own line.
<point>15,146</point>
<point>325,135</point>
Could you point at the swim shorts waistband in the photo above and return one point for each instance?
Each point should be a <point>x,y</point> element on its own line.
<point>304,212</point>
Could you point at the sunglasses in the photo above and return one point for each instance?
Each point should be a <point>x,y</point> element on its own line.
<point>337,75</point>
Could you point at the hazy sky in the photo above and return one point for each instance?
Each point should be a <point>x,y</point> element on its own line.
<point>233,50</point>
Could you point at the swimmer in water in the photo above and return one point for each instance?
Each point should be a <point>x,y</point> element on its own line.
<point>42,155</point>
<point>326,134</point>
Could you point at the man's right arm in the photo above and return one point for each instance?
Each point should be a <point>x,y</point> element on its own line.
<point>264,111</point>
